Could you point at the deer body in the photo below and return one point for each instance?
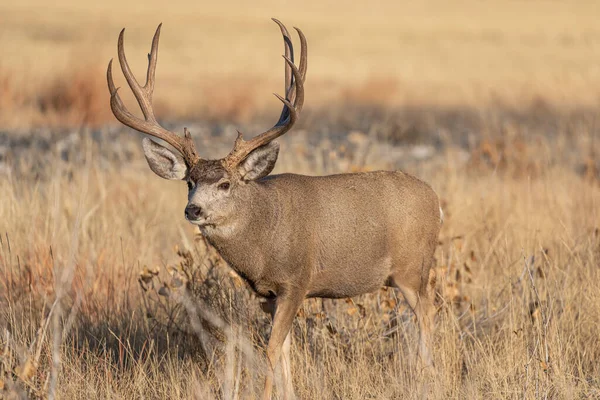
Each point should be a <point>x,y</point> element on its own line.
<point>333,236</point>
<point>293,236</point>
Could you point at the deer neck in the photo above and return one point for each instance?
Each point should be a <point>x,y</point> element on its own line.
<point>240,239</point>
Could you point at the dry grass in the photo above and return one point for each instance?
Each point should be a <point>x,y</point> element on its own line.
<point>221,59</point>
<point>106,291</point>
<point>517,267</point>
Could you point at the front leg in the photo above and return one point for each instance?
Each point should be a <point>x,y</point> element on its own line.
<point>269,307</point>
<point>286,307</point>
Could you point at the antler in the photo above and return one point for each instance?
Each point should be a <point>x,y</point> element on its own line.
<point>293,102</point>
<point>143,94</point>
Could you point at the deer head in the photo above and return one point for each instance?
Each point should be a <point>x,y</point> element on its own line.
<point>215,186</point>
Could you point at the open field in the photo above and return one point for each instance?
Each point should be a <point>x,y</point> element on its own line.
<point>83,219</point>
<point>221,59</point>
<point>107,292</point>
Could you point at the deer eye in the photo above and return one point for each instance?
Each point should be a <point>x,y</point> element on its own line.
<point>224,186</point>
<point>190,185</point>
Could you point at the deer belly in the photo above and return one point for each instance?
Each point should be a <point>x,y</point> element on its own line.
<point>339,281</point>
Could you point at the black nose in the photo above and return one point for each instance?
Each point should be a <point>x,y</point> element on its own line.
<point>192,211</point>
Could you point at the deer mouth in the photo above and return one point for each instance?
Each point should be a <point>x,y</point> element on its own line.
<point>200,222</point>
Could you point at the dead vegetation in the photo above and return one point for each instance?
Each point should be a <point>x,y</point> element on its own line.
<point>96,302</point>
<point>219,60</point>
<point>106,291</point>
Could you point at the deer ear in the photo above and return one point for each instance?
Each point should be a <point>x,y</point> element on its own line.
<point>163,162</point>
<point>260,162</point>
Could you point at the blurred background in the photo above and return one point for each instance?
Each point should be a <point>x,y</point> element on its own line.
<point>222,59</point>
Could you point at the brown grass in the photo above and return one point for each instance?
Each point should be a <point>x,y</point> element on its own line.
<point>517,272</point>
<point>106,291</point>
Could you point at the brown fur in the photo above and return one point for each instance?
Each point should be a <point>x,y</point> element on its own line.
<point>207,172</point>
<point>343,235</point>
<point>297,236</point>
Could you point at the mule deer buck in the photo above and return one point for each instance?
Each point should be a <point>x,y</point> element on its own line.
<point>293,237</point>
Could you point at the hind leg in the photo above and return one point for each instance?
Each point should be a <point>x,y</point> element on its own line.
<point>422,305</point>
<point>417,289</point>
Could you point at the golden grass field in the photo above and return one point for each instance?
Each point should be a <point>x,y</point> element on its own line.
<point>107,292</point>
<point>221,59</point>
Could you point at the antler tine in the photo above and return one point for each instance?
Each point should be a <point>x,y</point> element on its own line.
<point>289,52</point>
<point>152,59</point>
<point>290,89</point>
<point>303,67</point>
<point>242,148</point>
<point>144,99</point>
<point>143,95</point>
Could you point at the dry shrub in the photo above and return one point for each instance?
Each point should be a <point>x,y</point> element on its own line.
<point>202,300</point>
<point>73,98</point>
<point>9,97</point>
<point>516,268</point>
<point>79,97</point>
<point>512,155</point>
<point>591,169</point>
<point>375,92</point>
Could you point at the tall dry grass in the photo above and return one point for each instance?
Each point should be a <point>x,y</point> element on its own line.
<point>106,292</point>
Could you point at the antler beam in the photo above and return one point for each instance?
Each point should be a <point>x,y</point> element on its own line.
<point>143,94</point>
<point>292,103</point>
